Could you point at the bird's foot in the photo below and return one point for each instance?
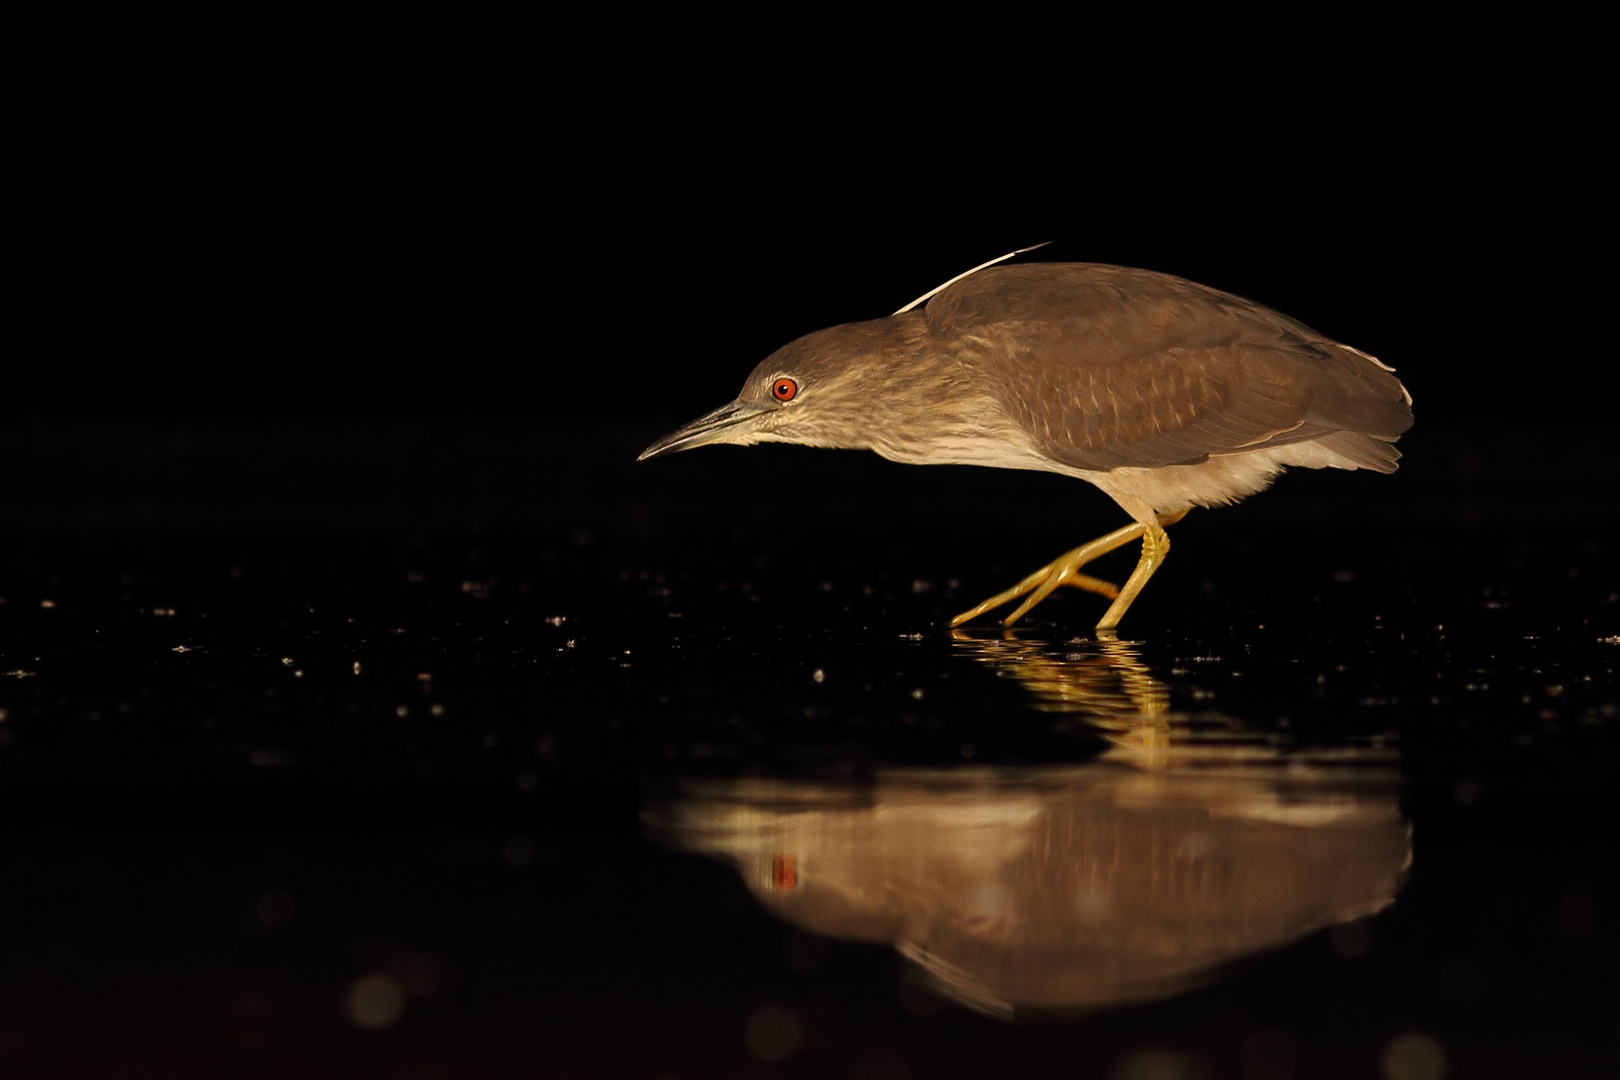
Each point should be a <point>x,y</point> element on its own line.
<point>1064,570</point>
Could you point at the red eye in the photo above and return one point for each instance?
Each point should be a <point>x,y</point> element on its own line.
<point>785,390</point>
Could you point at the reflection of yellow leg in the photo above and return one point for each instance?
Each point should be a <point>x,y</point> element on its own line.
<point>1065,570</point>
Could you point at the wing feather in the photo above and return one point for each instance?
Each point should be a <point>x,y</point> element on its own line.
<point>1108,367</point>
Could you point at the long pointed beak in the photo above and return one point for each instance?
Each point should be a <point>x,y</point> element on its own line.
<point>710,428</point>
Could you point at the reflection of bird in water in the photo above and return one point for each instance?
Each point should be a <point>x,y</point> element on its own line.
<point>1163,393</point>
<point>1123,879</point>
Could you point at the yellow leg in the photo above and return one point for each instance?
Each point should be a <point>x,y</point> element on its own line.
<point>1065,570</point>
<point>1155,546</point>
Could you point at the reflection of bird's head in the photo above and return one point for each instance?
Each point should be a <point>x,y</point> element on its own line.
<point>833,388</point>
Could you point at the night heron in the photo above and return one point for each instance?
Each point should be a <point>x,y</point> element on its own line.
<point>1164,393</point>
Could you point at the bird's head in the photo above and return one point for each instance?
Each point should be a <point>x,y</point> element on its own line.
<point>829,388</point>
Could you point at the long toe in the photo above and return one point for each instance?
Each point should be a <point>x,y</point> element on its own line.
<point>1096,585</point>
<point>1046,588</point>
<point>1006,596</point>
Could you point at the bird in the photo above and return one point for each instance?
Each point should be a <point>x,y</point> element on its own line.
<point>1164,393</point>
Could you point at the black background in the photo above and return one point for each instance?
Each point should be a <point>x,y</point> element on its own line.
<point>277,251</point>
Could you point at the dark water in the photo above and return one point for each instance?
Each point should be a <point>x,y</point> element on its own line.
<point>450,752</point>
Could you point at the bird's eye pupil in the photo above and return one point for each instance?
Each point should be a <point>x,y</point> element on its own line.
<point>785,389</point>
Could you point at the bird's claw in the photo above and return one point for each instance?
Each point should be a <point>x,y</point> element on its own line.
<point>1064,570</point>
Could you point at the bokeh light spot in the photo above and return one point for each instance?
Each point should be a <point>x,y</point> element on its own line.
<point>1158,1064</point>
<point>375,1001</point>
<point>772,1033</point>
<point>1414,1056</point>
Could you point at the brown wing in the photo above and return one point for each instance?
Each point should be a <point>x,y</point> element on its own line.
<point>1109,367</point>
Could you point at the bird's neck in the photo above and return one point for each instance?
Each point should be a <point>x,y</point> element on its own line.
<point>930,406</point>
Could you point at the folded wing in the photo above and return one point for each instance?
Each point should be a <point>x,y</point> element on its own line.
<point>1108,367</point>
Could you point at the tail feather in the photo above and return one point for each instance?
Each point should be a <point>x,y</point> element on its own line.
<point>1344,450</point>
